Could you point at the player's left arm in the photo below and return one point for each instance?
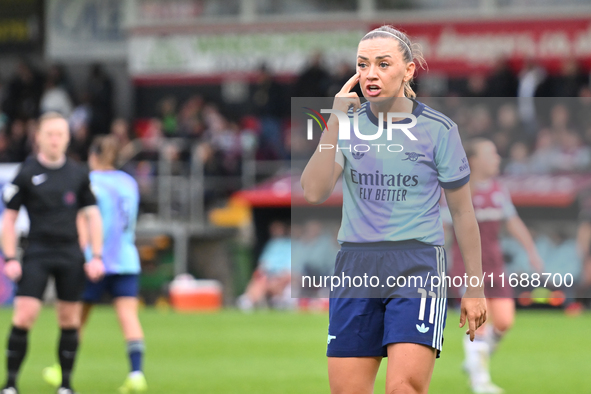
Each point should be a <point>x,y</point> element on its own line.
<point>94,224</point>
<point>82,226</point>
<point>453,173</point>
<point>473,308</point>
<point>94,268</point>
<point>519,231</point>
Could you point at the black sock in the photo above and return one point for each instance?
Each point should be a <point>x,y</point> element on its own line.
<point>67,353</point>
<point>15,353</point>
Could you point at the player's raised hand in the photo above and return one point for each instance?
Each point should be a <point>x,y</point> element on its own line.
<point>94,269</point>
<point>473,310</point>
<point>346,99</point>
<point>13,270</point>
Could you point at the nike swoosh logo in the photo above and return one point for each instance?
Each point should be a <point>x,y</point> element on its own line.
<point>38,179</point>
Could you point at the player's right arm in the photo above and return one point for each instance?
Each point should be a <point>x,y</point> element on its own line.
<point>13,196</point>
<point>12,268</point>
<point>322,172</point>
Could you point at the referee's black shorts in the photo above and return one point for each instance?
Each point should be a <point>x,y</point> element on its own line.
<point>63,261</point>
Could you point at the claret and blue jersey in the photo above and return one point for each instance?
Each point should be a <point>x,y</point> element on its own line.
<point>391,187</point>
<point>118,199</point>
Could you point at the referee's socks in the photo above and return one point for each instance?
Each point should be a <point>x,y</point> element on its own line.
<point>15,353</point>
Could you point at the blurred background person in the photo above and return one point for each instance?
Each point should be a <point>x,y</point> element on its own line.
<point>270,283</point>
<point>492,206</point>
<point>118,201</point>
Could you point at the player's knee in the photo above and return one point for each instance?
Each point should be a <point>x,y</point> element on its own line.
<point>24,320</point>
<point>502,326</point>
<point>69,320</point>
<point>347,389</point>
<point>406,386</point>
<point>24,317</point>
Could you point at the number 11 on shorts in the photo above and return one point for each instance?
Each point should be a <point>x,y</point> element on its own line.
<point>423,293</point>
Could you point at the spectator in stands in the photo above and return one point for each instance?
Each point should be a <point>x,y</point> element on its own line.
<point>3,93</point>
<point>476,85</point>
<point>4,139</point>
<point>190,118</point>
<point>128,147</point>
<point>81,114</point>
<point>270,281</point>
<point>583,110</point>
<point>249,134</point>
<point>571,155</point>
<point>17,149</point>
<point>23,93</point>
<point>566,84</point>
<point>4,144</point>
<point>518,159</point>
<point>79,144</point>
<point>313,255</point>
<point>343,74</point>
<point>560,119</point>
<point>502,82</point>
<point>479,122</point>
<point>541,161</point>
<point>57,72</point>
<point>571,79</point>
<point>269,105</point>
<point>168,117</point>
<point>314,80</point>
<point>55,98</point>
<point>507,130</point>
<point>153,135</point>
<point>100,96</point>
<point>529,79</point>
<point>225,140</point>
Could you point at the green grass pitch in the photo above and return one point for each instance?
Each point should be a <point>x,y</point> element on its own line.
<point>270,352</point>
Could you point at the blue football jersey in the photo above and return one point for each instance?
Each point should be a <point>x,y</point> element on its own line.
<point>118,200</point>
<point>391,184</point>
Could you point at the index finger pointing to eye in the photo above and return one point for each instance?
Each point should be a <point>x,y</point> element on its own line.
<point>350,83</point>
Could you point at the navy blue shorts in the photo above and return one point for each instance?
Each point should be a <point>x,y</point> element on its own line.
<point>404,307</point>
<point>116,285</point>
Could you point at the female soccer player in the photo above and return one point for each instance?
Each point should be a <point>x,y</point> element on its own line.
<point>492,206</point>
<point>391,227</point>
<point>118,199</point>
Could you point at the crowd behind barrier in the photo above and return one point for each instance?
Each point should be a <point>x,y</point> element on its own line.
<point>532,138</point>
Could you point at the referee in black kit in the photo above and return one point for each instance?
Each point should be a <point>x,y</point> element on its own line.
<point>55,191</point>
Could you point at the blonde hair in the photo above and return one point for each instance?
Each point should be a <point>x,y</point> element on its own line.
<point>410,51</point>
<point>106,148</point>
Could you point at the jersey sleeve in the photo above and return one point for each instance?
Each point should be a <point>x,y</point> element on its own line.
<point>452,165</point>
<point>14,193</point>
<point>86,196</point>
